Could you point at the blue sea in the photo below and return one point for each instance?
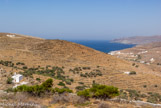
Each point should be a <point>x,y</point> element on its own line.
<point>103,45</point>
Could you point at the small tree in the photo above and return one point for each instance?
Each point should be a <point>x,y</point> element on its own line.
<point>48,84</point>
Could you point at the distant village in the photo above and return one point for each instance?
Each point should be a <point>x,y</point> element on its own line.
<point>132,57</point>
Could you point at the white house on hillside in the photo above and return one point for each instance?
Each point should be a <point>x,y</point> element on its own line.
<point>17,78</point>
<point>10,35</point>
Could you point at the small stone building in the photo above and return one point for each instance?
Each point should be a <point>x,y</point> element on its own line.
<point>17,78</point>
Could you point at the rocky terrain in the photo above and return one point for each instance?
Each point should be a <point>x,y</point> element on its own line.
<point>74,66</point>
<point>138,39</point>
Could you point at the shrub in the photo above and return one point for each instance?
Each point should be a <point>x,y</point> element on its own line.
<point>62,90</point>
<point>24,67</point>
<point>48,84</point>
<point>137,66</point>
<point>133,64</point>
<point>99,91</point>
<point>158,63</point>
<point>38,79</point>
<point>68,82</point>
<point>155,85</point>
<point>103,91</point>
<point>86,68</point>
<point>132,73</point>
<point>85,93</point>
<point>9,80</point>
<point>61,84</point>
<point>144,86</point>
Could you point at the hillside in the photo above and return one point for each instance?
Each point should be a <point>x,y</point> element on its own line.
<point>40,52</point>
<point>148,53</point>
<point>77,65</point>
<point>138,39</point>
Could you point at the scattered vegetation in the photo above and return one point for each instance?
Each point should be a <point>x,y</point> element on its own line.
<point>7,63</point>
<point>137,95</point>
<point>79,70</point>
<point>93,73</point>
<point>154,98</point>
<point>20,63</point>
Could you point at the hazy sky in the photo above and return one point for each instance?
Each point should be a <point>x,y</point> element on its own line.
<point>81,19</point>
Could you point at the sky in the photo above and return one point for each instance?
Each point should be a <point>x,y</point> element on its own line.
<point>81,19</point>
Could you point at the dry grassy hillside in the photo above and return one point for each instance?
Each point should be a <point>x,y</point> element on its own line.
<point>80,63</point>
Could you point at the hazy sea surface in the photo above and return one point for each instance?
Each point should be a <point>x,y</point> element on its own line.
<point>103,45</point>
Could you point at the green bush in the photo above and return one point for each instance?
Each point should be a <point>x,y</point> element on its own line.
<point>99,91</point>
<point>48,84</point>
<point>62,90</point>
<point>144,86</point>
<point>24,67</point>
<point>9,80</point>
<point>68,82</point>
<point>103,91</point>
<point>61,84</point>
<point>38,79</point>
<point>85,93</point>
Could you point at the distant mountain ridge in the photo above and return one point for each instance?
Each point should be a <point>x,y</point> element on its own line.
<point>138,39</point>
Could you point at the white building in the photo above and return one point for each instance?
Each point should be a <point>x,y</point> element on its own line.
<point>142,61</point>
<point>152,60</point>
<point>9,35</point>
<point>127,73</point>
<point>17,78</point>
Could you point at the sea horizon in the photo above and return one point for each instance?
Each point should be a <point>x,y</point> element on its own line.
<point>105,46</point>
